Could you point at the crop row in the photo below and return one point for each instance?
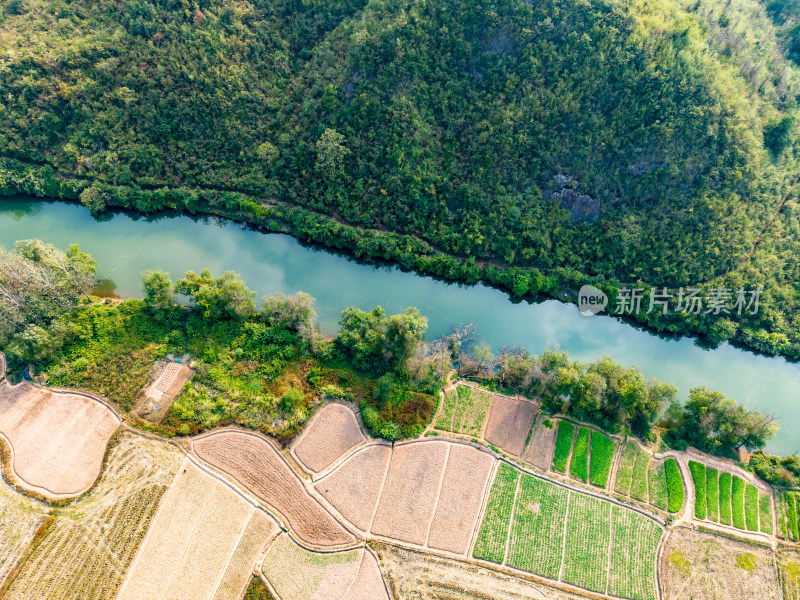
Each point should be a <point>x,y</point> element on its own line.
<point>586,466</point>
<point>603,450</point>
<point>579,464</point>
<point>471,410</point>
<point>491,542</point>
<point>445,420</point>
<point>563,446</point>
<point>634,549</point>
<point>729,499</point>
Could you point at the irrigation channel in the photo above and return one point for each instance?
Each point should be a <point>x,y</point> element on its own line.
<point>126,245</point>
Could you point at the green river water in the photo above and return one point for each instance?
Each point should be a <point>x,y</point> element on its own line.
<point>127,245</point>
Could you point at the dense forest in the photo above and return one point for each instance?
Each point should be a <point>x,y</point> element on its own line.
<point>537,146</point>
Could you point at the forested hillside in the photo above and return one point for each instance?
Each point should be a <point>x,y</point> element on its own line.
<point>648,141</point>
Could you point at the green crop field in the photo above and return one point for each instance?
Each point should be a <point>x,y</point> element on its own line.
<point>791,516</point>
<point>603,450</point>
<point>677,494</point>
<point>491,542</point>
<point>471,410</point>
<point>737,502</point>
<point>712,494</point>
<point>538,518</point>
<point>765,513</point>
<point>445,420</point>
<point>698,471</point>
<point>639,483</point>
<point>634,549</point>
<point>751,507</point>
<point>725,498</point>
<point>625,469</point>
<point>657,483</point>
<point>588,538</point>
<point>563,446</point>
<point>781,508</point>
<point>579,464</point>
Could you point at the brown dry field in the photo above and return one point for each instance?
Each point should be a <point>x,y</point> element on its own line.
<point>353,488</point>
<point>332,433</point>
<point>410,492</point>
<point>465,478</point>
<point>58,440</point>
<point>704,566</point>
<point>422,576</point>
<point>369,583</point>
<point>20,518</point>
<point>90,543</point>
<point>509,423</point>
<point>193,538</point>
<point>166,383</point>
<point>257,465</point>
<point>789,564</point>
<point>539,452</point>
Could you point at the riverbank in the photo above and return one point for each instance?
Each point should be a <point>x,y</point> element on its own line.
<point>769,332</point>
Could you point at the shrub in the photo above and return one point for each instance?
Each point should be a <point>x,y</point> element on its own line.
<point>290,399</point>
<point>563,445</point>
<point>674,485</point>
<point>699,478</point>
<point>603,448</point>
<point>579,465</point>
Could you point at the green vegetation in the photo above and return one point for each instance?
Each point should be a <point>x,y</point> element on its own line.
<point>588,542</point>
<point>445,420</point>
<point>737,502</point>
<point>492,536</point>
<point>539,515</point>
<point>637,537</point>
<point>257,590</point>
<point>579,463</point>
<point>640,476</point>
<point>751,507</point>
<point>712,494</point>
<point>602,457</point>
<point>780,471</point>
<point>698,471</point>
<point>563,445</point>
<point>765,513</point>
<point>410,132</point>
<point>725,482</point>
<point>677,494</point>
<point>657,485</point>
<point>790,499</point>
<point>472,410</point>
<point>622,484</point>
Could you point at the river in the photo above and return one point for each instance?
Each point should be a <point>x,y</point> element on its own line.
<point>127,245</point>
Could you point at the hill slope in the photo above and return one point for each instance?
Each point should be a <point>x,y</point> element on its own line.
<point>648,140</point>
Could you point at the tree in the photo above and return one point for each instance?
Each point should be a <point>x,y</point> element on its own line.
<point>32,345</point>
<point>293,312</point>
<point>331,153</point>
<point>713,423</point>
<point>226,297</point>
<point>158,295</point>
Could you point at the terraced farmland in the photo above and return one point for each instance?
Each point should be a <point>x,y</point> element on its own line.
<point>602,457</point>
<point>712,494</point>
<point>579,463</point>
<point>568,535</point>
<point>471,411</point>
<point>563,446</point>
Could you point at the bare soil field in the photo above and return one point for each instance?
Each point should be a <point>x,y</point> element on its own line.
<point>259,467</point>
<point>193,538</point>
<point>509,423</point>
<point>459,505</point>
<point>411,491</point>
<point>90,544</point>
<point>704,566</point>
<point>411,574</point>
<point>298,574</point>
<point>369,584</point>
<point>58,440</point>
<point>541,446</point>
<point>332,432</point>
<point>166,383</point>
<point>354,487</point>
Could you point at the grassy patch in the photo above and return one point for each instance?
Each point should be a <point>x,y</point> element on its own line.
<point>491,543</point>
<point>751,507</point>
<point>445,420</point>
<point>563,446</point>
<point>603,449</point>
<point>725,498</point>
<point>579,465</point>
<point>677,495</point>
<point>737,502</point>
<point>471,411</point>
<point>698,471</point>
<point>712,494</point>
<point>746,561</point>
